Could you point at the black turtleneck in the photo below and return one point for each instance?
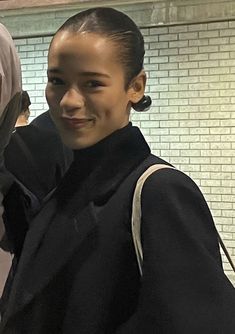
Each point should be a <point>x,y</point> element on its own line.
<point>95,174</point>
<point>98,170</point>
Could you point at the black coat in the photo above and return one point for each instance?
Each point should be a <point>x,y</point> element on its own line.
<point>78,274</point>
<point>37,158</point>
<point>45,122</point>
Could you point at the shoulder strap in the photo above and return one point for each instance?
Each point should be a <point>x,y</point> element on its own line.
<point>136,211</point>
<point>136,217</point>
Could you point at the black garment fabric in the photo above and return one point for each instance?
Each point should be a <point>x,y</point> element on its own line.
<point>45,122</point>
<point>78,273</point>
<point>37,159</point>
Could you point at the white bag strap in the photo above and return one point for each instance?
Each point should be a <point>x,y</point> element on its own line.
<point>136,217</point>
<point>136,211</point>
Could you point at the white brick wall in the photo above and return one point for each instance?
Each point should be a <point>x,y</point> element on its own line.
<point>192,121</point>
<point>33,54</point>
<point>191,79</point>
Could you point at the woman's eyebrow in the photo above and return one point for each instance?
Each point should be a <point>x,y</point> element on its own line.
<point>97,74</point>
<point>54,70</point>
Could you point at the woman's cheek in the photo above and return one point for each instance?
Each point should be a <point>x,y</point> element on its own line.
<point>52,98</point>
<point>48,94</point>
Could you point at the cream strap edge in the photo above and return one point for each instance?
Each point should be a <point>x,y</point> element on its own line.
<point>136,211</point>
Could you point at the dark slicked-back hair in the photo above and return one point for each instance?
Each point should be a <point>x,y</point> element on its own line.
<point>119,28</point>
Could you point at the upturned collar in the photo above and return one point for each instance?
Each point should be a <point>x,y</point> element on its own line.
<point>98,170</point>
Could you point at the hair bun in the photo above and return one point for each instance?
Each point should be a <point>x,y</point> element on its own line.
<point>143,104</point>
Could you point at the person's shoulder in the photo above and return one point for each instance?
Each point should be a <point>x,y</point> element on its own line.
<point>150,160</point>
<point>44,121</point>
<point>27,133</point>
<point>168,181</point>
<point>44,116</point>
<point>35,137</point>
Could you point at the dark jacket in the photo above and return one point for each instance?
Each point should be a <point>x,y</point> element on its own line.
<point>44,121</point>
<point>78,274</point>
<point>37,158</point>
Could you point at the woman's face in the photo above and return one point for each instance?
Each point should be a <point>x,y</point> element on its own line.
<point>86,88</point>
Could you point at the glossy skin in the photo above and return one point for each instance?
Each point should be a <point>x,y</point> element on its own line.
<point>86,88</point>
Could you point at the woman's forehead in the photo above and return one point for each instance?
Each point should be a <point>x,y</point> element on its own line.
<point>81,43</point>
<point>86,50</point>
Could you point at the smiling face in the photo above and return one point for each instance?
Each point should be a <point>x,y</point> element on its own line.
<point>86,88</point>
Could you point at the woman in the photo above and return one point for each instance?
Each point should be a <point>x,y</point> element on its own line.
<point>77,271</point>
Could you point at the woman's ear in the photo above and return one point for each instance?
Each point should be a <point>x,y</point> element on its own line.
<point>137,87</point>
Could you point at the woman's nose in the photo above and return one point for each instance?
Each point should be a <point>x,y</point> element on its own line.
<point>71,100</point>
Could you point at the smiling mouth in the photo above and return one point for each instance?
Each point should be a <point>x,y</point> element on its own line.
<point>76,123</point>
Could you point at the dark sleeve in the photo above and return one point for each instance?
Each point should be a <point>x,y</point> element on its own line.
<point>184,289</point>
<point>19,207</point>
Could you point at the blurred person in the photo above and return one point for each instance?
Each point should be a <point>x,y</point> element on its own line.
<point>23,118</point>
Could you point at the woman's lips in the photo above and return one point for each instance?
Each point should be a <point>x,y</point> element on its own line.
<point>76,123</point>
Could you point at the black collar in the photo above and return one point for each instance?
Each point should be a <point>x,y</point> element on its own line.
<point>97,171</point>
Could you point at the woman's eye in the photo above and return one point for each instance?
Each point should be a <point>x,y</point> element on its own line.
<point>56,81</point>
<point>93,84</point>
